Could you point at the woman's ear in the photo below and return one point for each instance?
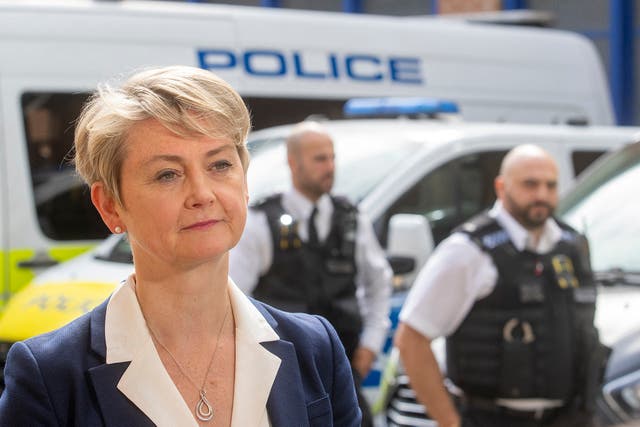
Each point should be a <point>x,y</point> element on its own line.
<point>106,205</point>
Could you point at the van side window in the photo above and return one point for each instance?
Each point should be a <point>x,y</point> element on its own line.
<point>62,201</point>
<point>452,193</point>
<point>582,159</point>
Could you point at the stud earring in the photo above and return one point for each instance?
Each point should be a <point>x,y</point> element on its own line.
<point>118,230</point>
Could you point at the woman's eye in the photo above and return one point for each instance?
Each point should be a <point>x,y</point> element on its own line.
<point>166,176</point>
<point>221,165</point>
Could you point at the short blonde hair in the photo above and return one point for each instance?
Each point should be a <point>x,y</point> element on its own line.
<point>186,100</point>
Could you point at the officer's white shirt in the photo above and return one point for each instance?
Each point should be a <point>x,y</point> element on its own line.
<point>458,273</point>
<point>253,255</point>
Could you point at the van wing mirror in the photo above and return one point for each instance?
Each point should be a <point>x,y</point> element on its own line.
<point>401,264</point>
<point>409,238</point>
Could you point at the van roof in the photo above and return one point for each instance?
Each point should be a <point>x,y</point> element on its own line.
<point>265,14</point>
<point>434,130</point>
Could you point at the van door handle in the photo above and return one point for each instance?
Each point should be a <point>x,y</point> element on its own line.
<point>38,262</point>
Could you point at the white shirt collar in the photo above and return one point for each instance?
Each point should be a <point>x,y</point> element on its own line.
<point>148,385</point>
<point>551,233</point>
<point>300,207</point>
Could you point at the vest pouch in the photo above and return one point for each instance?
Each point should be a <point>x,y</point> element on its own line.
<point>517,378</point>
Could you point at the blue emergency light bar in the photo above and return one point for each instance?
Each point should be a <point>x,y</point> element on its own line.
<point>397,106</point>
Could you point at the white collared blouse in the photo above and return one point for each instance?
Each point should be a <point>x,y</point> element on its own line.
<point>147,383</point>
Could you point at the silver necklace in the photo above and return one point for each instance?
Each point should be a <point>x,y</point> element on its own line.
<point>204,410</point>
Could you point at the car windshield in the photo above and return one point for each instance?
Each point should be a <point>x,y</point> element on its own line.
<point>605,207</point>
<point>361,163</point>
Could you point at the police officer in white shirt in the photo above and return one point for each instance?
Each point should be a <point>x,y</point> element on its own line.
<point>512,291</point>
<point>308,251</point>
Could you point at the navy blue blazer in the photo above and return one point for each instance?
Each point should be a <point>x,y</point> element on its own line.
<point>61,378</point>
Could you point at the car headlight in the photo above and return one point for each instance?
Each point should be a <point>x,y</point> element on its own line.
<point>623,396</point>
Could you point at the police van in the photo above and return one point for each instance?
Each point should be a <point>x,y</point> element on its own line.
<point>415,178</point>
<point>285,63</point>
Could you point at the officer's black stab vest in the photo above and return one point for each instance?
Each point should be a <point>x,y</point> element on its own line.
<point>526,338</point>
<point>318,280</point>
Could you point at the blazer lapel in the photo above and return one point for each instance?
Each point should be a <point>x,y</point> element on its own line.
<point>256,367</point>
<point>286,404</point>
<point>133,382</point>
<point>115,408</point>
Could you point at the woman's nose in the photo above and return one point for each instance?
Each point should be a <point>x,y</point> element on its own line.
<point>200,191</point>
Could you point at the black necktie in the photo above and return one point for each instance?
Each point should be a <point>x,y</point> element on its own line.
<point>313,233</point>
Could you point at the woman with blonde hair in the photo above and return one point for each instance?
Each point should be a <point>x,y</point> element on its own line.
<point>177,343</point>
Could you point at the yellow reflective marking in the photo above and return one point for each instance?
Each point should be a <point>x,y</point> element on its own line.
<point>63,253</point>
<point>18,277</point>
<point>42,308</point>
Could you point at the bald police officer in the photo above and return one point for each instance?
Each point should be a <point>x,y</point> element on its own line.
<point>512,292</point>
<point>309,251</point>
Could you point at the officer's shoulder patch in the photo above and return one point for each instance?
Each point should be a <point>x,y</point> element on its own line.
<point>568,235</point>
<point>476,225</point>
<point>484,231</point>
<point>494,239</point>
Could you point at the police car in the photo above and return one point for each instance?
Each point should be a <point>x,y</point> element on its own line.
<point>415,178</point>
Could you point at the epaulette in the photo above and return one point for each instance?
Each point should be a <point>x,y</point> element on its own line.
<point>484,231</point>
<point>494,239</point>
<point>476,224</point>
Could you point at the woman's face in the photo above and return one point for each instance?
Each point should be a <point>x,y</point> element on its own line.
<point>184,199</point>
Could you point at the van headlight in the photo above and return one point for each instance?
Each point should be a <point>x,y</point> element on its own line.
<point>623,396</point>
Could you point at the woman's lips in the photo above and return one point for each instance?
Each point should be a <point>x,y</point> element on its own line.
<point>201,225</point>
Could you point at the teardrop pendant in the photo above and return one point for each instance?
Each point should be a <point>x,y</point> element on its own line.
<point>204,410</point>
